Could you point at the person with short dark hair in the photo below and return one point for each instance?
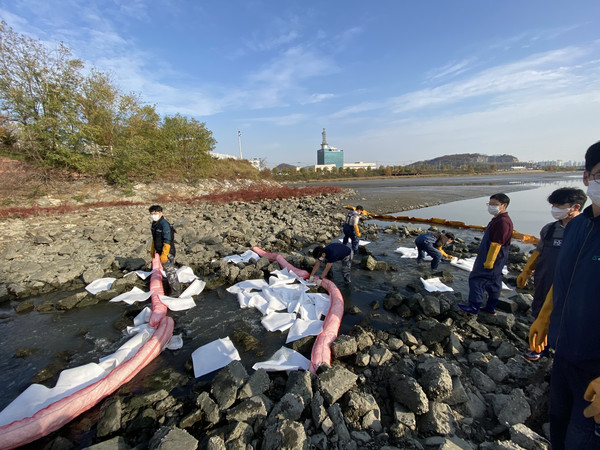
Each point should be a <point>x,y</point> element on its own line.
<point>432,243</point>
<point>328,255</point>
<point>350,228</point>
<point>492,255</point>
<point>566,203</point>
<point>163,243</point>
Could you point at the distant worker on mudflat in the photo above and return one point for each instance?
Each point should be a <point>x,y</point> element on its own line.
<point>350,229</point>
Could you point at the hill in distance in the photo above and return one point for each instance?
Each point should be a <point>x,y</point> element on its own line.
<point>469,159</point>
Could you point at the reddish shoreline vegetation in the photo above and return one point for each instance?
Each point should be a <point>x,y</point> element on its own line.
<point>253,193</point>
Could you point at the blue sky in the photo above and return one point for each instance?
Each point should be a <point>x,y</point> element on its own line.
<point>392,81</point>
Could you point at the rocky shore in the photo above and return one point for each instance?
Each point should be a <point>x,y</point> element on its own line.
<point>437,380</point>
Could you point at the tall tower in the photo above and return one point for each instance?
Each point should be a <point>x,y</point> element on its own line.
<point>324,143</point>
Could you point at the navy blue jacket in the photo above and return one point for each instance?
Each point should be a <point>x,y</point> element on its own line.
<point>575,319</point>
<point>163,233</point>
<point>336,252</point>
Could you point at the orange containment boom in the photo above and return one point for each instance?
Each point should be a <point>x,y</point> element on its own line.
<point>63,410</point>
<point>527,238</point>
<point>321,351</point>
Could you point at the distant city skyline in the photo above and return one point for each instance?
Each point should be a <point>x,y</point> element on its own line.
<point>393,84</point>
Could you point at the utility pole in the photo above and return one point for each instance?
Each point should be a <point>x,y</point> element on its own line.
<point>240,142</point>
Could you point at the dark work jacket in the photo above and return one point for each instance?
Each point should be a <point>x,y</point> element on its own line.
<point>575,319</point>
<point>551,238</point>
<point>499,230</point>
<point>163,233</point>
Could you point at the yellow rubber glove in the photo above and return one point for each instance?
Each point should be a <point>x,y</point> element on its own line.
<point>164,256</point>
<point>528,269</point>
<point>357,230</point>
<point>592,394</point>
<point>444,254</point>
<point>152,251</point>
<point>492,255</point>
<point>538,333</point>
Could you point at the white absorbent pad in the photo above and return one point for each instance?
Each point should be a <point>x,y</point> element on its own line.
<point>134,295</point>
<point>284,359</point>
<point>411,252</point>
<point>302,328</point>
<point>467,264</point>
<point>185,274</point>
<point>175,343</point>
<point>435,285</point>
<point>247,286</point>
<point>276,321</point>
<point>213,356</point>
<point>195,288</point>
<point>143,275</point>
<point>244,257</point>
<point>177,304</point>
<point>99,285</point>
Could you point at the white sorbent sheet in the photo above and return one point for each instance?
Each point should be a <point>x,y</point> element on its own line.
<point>135,295</point>
<point>411,252</point>
<point>244,257</point>
<point>284,359</point>
<point>302,328</point>
<point>177,304</point>
<point>213,356</point>
<point>435,285</point>
<point>99,285</point>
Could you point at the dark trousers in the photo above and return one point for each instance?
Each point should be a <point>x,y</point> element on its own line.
<point>170,271</point>
<point>569,429</point>
<point>350,235</point>
<point>482,281</point>
<point>425,247</point>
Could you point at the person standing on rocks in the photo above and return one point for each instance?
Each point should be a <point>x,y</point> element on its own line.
<point>568,322</point>
<point>328,255</point>
<point>492,255</point>
<point>566,203</point>
<point>350,229</point>
<point>432,243</point>
<point>163,243</point>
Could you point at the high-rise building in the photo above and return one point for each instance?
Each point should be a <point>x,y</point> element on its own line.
<point>329,155</point>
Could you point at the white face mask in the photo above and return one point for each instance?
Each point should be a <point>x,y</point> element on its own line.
<point>560,213</point>
<point>154,217</point>
<point>493,209</point>
<point>593,192</point>
<point>322,258</point>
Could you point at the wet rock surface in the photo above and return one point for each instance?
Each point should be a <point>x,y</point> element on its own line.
<point>416,373</point>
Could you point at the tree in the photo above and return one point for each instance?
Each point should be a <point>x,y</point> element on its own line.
<point>39,92</point>
<point>186,144</point>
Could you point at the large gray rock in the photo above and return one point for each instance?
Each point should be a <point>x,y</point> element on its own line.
<point>110,419</point>
<point>290,407</point>
<point>209,408</point>
<point>437,420</point>
<point>527,438</point>
<point>436,380</point>
<point>250,410</point>
<point>343,346</point>
<point>258,383</point>
<point>482,381</point>
<point>430,305</point>
<point>285,434</point>
<point>167,438</point>
<point>407,391</point>
<point>335,382</point>
<point>226,383</point>
<point>515,410</point>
